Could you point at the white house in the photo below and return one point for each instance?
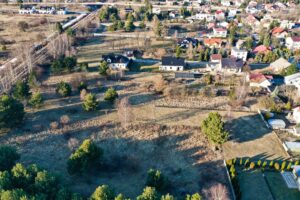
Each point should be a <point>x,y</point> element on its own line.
<point>116,62</point>
<point>220,32</point>
<point>226,3</point>
<point>156,11</point>
<point>172,64</point>
<point>232,13</point>
<point>204,16</point>
<point>239,53</point>
<point>296,114</point>
<point>293,79</point>
<point>292,43</point>
<point>27,10</point>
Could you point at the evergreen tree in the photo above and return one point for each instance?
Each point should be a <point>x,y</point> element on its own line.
<point>21,90</point>
<point>90,102</point>
<point>36,100</point>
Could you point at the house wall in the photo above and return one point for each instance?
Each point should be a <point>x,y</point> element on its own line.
<point>240,54</point>
<point>171,68</point>
<point>118,66</point>
<point>290,44</point>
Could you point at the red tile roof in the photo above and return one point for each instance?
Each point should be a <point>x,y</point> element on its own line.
<point>216,57</point>
<point>296,39</point>
<point>212,41</point>
<point>277,30</point>
<point>261,49</point>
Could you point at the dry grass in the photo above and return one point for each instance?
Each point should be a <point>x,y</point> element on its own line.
<point>40,26</point>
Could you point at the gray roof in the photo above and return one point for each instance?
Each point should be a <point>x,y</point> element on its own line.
<point>232,63</point>
<point>172,61</point>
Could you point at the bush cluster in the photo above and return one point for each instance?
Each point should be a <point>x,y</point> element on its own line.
<point>64,64</point>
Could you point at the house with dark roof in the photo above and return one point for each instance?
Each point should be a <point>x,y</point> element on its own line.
<point>169,63</point>
<point>232,65</point>
<point>116,62</point>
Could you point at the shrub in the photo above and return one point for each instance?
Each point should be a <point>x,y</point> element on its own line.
<point>104,68</point>
<point>271,164</point>
<point>36,100</point>
<point>241,161</point>
<point>82,86</point>
<point>259,163</point>
<point>167,197</point>
<point>8,157</point>
<point>283,165</point>
<point>21,90</point>
<point>276,166</point>
<point>264,164</point>
<point>103,193</point>
<point>229,162</point>
<point>246,162</point>
<point>156,179</point>
<point>2,47</point>
<point>11,112</point>
<point>90,102</point>
<point>66,64</point>
<point>65,119</point>
<point>213,128</point>
<point>149,193</point>
<point>110,95</point>
<point>289,166</point>
<point>195,196</point>
<point>63,89</point>
<point>297,162</point>
<point>252,165</point>
<point>54,125</point>
<point>84,157</point>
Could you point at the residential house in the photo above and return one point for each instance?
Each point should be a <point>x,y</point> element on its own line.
<point>232,65</point>
<point>251,20</point>
<point>27,10</point>
<point>46,10</point>
<point>239,53</point>
<point>261,49</point>
<point>219,32</point>
<point>116,62</point>
<point>204,16</point>
<point>286,24</point>
<point>294,80</point>
<point>215,63</point>
<point>220,15</point>
<point>186,41</point>
<point>213,42</point>
<point>219,64</point>
<point>172,64</point>
<point>260,80</point>
<point>232,13</point>
<point>156,10</point>
<point>226,3</point>
<point>296,114</point>
<point>279,65</point>
<point>293,43</point>
<point>279,32</point>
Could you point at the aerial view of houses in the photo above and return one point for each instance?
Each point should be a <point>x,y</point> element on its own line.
<point>150,99</point>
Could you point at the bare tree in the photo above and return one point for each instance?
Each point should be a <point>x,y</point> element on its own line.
<point>73,144</point>
<point>26,55</point>
<point>124,111</point>
<point>217,192</point>
<point>60,46</point>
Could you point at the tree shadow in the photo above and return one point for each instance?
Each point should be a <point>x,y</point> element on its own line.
<point>246,128</point>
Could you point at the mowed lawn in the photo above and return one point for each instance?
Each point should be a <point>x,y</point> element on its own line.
<point>253,186</point>
<point>279,188</point>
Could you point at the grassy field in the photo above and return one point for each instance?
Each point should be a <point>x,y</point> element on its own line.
<point>253,186</point>
<point>251,138</point>
<point>279,188</point>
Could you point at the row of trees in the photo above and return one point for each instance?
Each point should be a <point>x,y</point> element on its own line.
<point>63,64</point>
<point>20,182</point>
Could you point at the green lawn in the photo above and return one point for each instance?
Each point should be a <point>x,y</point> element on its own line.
<point>253,186</point>
<point>279,188</point>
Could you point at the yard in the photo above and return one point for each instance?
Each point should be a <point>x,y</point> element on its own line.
<point>272,186</point>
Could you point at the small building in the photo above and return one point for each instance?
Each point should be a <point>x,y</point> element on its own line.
<point>279,65</point>
<point>239,53</point>
<point>220,32</point>
<point>260,80</point>
<point>292,43</point>
<point>204,16</point>
<point>220,15</point>
<point>279,33</point>
<point>232,65</point>
<point>276,123</point>
<point>172,64</point>
<point>116,62</point>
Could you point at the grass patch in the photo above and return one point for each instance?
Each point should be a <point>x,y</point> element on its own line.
<point>253,186</point>
<point>279,188</point>
<point>143,67</point>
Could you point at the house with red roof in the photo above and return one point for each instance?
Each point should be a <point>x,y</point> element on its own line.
<point>260,80</point>
<point>220,15</point>
<point>279,32</point>
<point>213,42</point>
<point>261,49</point>
<point>293,43</point>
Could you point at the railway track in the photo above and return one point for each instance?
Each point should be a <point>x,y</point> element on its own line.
<point>12,71</point>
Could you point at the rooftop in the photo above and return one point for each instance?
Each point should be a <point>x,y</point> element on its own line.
<point>173,61</point>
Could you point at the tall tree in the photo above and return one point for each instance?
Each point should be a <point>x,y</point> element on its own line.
<point>213,128</point>
<point>11,112</point>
